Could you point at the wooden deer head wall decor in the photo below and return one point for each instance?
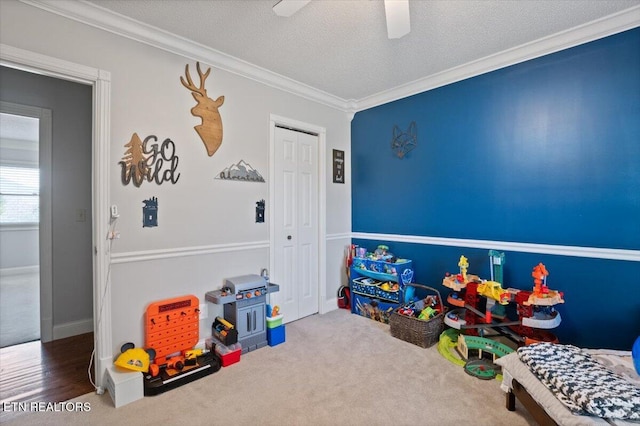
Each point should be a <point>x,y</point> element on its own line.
<point>210,130</point>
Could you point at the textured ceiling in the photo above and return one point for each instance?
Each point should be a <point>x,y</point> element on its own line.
<point>340,46</point>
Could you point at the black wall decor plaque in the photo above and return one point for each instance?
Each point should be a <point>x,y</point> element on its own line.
<point>338,166</point>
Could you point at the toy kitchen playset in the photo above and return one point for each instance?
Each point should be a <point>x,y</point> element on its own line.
<point>244,300</point>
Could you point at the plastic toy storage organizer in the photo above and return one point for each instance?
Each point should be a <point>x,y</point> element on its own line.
<point>368,297</point>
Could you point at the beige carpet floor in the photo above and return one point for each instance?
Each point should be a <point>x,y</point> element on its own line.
<point>333,369</point>
<point>19,308</point>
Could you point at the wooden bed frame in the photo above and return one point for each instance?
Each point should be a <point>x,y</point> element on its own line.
<point>538,413</point>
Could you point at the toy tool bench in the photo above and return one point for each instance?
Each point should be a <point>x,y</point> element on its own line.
<point>172,331</point>
<point>245,301</point>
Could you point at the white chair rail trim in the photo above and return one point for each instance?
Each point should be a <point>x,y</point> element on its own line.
<point>558,250</point>
<point>593,252</point>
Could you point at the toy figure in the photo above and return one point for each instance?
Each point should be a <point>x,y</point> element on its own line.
<point>275,311</point>
<point>540,274</point>
<point>463,264</point>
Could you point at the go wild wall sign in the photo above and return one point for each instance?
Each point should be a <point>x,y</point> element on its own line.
<point>148,160</point>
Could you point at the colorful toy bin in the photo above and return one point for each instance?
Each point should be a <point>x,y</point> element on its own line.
<point>273,322</point>
<point>275,335</point>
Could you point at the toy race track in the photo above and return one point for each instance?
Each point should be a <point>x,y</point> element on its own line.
<point>483,344</point>
<point>455,347</point>
<point>535,310</point>
<point>446,346</point>
<point>481,368</point>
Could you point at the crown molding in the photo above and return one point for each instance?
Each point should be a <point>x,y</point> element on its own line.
<point>104,19</point>
<point>98,17</point>
<point>603,27</point>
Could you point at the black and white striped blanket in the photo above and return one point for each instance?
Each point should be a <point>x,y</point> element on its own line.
<point>583,384</point>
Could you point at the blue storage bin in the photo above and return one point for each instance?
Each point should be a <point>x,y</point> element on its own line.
<point>390,295</point>
<point>364,285</point>
<point>275,335</point>
<point>372,307</point>
<point>380,270</point>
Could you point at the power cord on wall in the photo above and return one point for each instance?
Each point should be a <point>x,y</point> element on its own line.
<point>110,236</point>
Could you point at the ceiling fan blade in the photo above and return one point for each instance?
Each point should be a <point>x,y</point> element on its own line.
<point>287,8</point>
<point>398,23</point>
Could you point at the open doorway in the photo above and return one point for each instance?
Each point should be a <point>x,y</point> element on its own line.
<point>25,223</point>
<point>65,242</point>
<point>98,111</point>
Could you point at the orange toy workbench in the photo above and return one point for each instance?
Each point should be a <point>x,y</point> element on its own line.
<point>172,330</point>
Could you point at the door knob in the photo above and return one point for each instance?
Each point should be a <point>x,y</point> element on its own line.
<point>288,237</point>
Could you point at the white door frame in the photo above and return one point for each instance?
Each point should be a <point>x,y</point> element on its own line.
<point>45,265</point>
<point>322,197</point>
<point>100,80</point>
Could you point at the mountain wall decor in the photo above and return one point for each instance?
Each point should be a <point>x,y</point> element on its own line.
<point>241,171</point>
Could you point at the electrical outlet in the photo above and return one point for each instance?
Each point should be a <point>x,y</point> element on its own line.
<point>203,311</point>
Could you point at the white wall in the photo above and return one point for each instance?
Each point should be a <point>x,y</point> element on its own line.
<point>18,246</point>
<point>200,217</point>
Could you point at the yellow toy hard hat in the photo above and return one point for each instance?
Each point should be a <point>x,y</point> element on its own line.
<point>136,359</point>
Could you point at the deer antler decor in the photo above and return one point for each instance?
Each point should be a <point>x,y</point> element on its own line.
<point>210,130</point>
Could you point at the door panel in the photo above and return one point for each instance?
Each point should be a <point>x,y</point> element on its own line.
<point>296,222</point>
<point>289,291</point>
<point>308,223</point>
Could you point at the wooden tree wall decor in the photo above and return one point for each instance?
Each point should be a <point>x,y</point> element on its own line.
<point>134,162</point>
<point>403,142</point>
<point>146,160</point>
<point>210,130</point>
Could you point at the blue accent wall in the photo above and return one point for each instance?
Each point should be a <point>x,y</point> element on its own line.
<point>546,151</point>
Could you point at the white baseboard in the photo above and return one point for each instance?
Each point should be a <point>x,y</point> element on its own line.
<point>100,371</point>
<point>73,328</point>
<point>329,305</point>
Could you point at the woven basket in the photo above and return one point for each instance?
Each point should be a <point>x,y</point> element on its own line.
<point>423,333</point>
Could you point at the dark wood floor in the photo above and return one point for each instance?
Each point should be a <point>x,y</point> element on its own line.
<point>45,372</point>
